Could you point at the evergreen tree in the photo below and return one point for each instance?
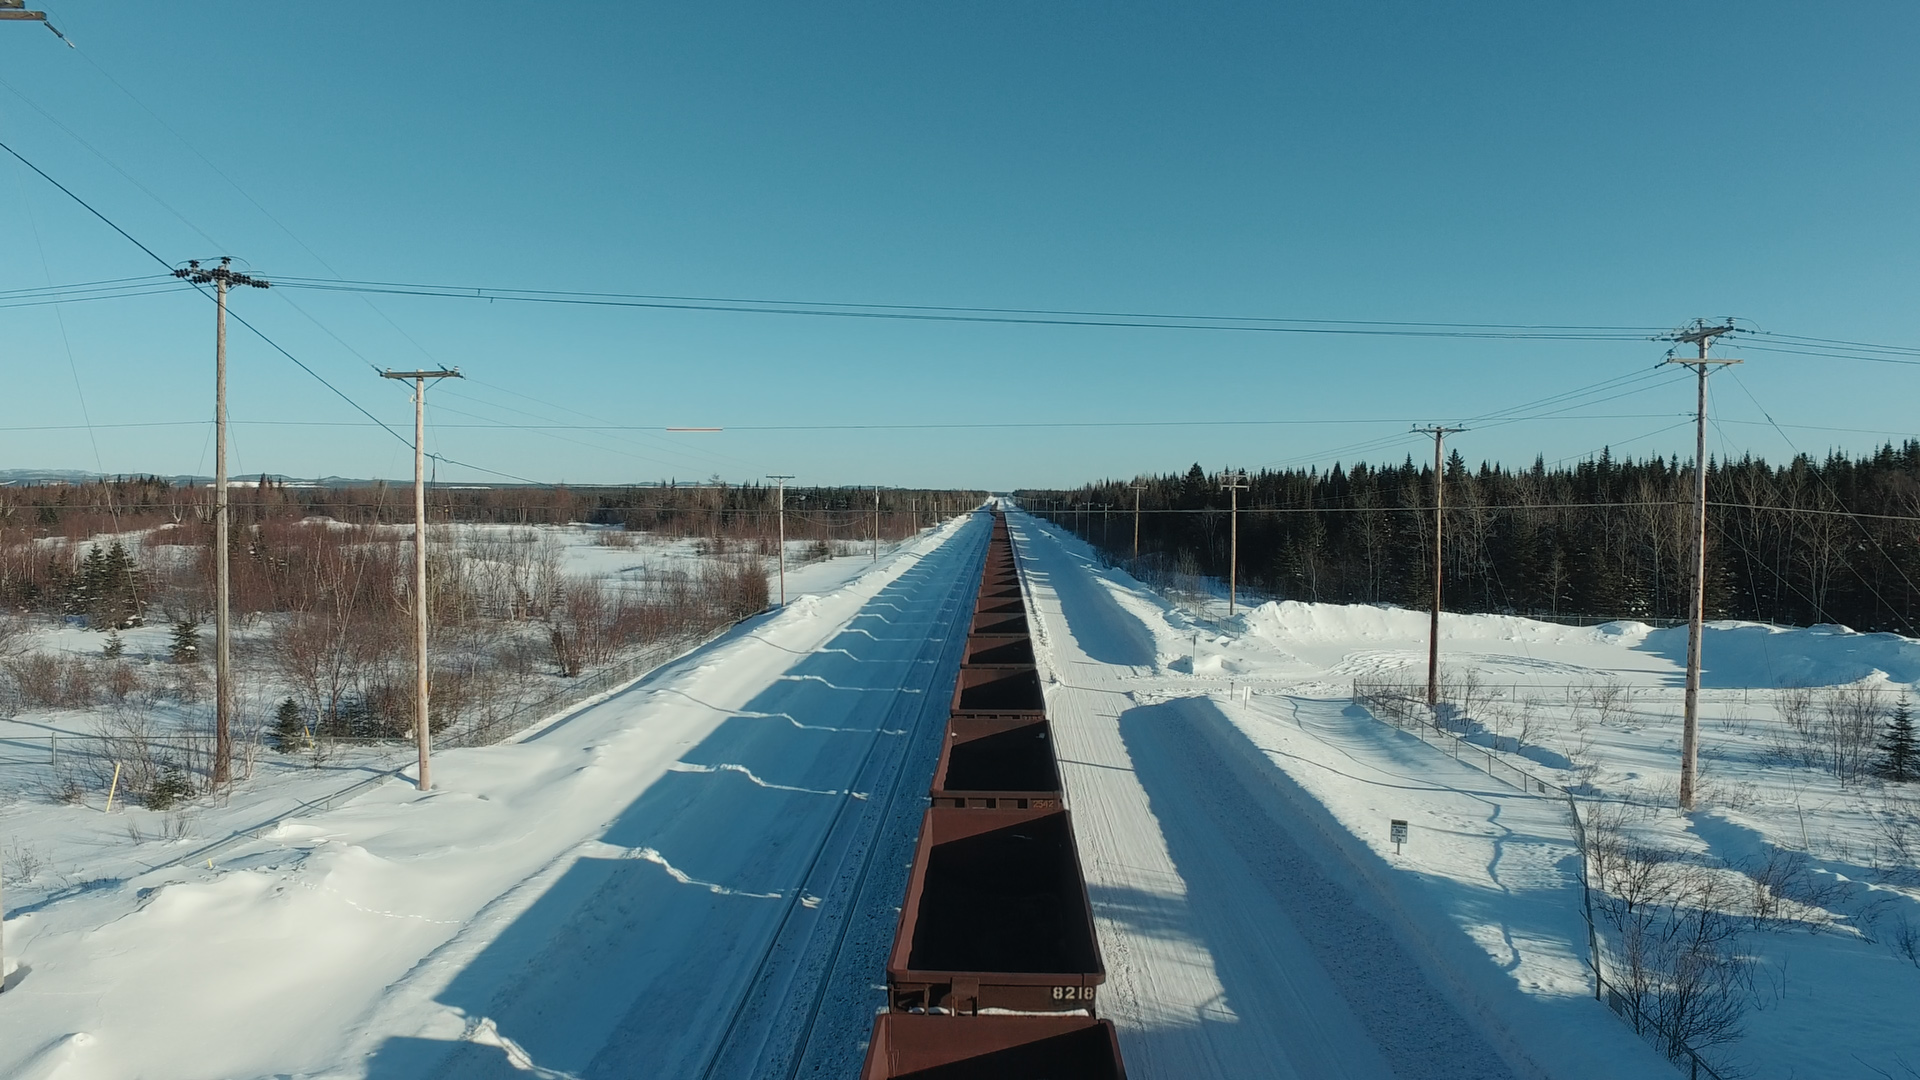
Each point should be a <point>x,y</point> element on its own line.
<point>107,588</point>
<point>119,588</point>
<point>171,788</point>
<point>1899,750</point>
<point>185,646</point>
<point>289,728</point>
<point>114,647</point>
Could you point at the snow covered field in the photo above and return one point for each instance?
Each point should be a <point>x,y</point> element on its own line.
<point>1233,806</point>
<point>598,898</point>
<point>587,900</point>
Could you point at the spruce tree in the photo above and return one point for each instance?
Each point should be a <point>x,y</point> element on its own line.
<point>289,728</point>
<point>119,587</point>
<point>185,646</point>
<point>1899,749</point>
<point>114,647</point>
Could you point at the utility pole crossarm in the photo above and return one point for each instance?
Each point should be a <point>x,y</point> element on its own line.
<point>14,11</point>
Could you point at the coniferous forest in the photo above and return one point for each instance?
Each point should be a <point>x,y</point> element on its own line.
<point>1831,541</point>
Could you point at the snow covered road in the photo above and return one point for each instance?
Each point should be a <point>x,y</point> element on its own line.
<point>1246,932</point>
<point>593,901</point>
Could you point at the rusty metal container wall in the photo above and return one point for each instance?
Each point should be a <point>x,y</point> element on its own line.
<point>996,763</point>
<point>998,624</point>
<point>998,650</point>
<point>906,1046</point>
<point>996,917</point>
<point>998,691</point>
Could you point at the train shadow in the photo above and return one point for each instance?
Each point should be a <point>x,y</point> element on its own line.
<point>629,961</point>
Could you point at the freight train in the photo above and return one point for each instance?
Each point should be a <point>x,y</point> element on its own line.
<point>995,965</point>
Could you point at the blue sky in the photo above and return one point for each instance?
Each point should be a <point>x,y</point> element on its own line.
<point>1625,165</point>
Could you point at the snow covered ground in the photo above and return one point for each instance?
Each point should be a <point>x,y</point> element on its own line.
<point>589,900</point>
<point>598,898</point>
<point>1233,809</point>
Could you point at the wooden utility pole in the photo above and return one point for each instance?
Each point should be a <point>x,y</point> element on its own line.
<point>1138,487</point>
<point>221,277</point>
<point>1235,483</point>
<point>421,733</point>
<point>876,523</point>
<point>781,479</point>
<point>1439,503</point>
<point>1699,334</point>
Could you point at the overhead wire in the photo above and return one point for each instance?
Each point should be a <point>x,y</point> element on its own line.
<point>1003,316</point>
<point>243,321</point>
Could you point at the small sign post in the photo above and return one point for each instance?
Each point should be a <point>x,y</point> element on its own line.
<point>1399,833</point>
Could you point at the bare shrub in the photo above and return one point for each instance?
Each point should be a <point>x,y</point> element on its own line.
<point>13,631</point>
<point>1850,727</point>
<point>55,680</point>
<point>21,863</point>
<point>735,588</point>
<point>132,738</point>
<point>1673,947</point>
<point>1896,851</point>
<point>1395,700</point>
<point>1904,939</point>
<point>1528,721</point>
<point>1797,739</point>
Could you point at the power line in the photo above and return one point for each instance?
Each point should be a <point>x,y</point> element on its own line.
<point>1001,316</point>
<point>87,206</point>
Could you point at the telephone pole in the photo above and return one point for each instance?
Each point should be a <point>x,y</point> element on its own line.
<point>420,731</point>
<point>781,480</point>
<point>221,278</point>
<point>1235,483</point>
<point>1439,501</point>
<point>1138,487</point>
<point>1699,334</point>
<point>876,523</point>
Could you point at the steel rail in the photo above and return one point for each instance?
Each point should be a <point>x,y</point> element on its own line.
<point>953,602</point>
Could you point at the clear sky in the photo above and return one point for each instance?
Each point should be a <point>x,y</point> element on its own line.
<point>1632,165</point>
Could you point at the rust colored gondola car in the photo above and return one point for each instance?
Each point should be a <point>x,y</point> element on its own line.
<point>995,763</point>
<point>998,650</point>
<point>908,1047</point>
<point>1009,692</point>
<point>996,917</point>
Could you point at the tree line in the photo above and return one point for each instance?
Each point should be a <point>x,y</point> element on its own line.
<point>1834,540</point>
<point>89,575</point>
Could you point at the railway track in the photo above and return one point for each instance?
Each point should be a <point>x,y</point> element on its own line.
<point>811,998</point>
